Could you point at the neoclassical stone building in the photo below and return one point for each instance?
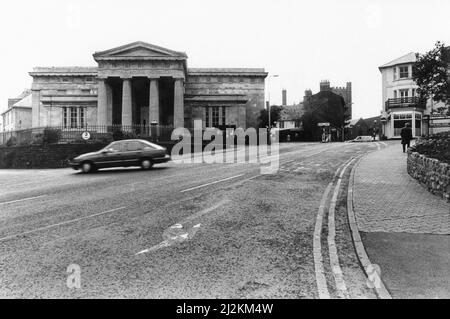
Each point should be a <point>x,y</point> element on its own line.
<point>140,83</point>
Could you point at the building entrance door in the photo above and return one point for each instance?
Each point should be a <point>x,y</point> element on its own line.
<point>144,119</point>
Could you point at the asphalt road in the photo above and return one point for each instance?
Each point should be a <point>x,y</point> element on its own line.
<point>176,231</point>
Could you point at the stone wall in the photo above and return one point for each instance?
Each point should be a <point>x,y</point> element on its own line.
<point>432,173</point>
<point>56,155</point>
<point>48,156</point>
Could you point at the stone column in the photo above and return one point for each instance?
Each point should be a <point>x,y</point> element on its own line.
<point>109,109</point>
<point>102,104</point>
<point>127,103</point>
<point>154,102</point>
<point>35,110</point>
<point>178,104</point>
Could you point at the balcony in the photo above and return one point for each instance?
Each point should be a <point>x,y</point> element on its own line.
<point>405,102</point>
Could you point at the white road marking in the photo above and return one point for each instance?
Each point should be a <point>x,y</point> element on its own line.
<point>60,224</point>
<point>177,234</point>
<point>212,183</point>
<point>22,200</point>
<point>332,249</point>
<point>317,242</point>
<point>317,249</point>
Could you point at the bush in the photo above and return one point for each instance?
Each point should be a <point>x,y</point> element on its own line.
<point>436,146</point>
<point>38,139</point>
<point>12,141</point>
<point>51,136</point>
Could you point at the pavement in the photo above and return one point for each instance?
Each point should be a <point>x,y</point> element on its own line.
<point>405,229</point>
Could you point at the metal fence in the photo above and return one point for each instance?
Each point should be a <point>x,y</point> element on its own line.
<point>100,133</point>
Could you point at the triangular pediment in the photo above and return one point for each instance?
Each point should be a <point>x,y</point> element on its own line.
<point>139,50</point>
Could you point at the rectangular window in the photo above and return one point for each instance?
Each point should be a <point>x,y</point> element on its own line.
<point>73,117</point>
<point>395,73</point>
<point>404,93</point>
<point>224,116</point>
<point>404,72</point>
<point>215,117</point>
<point>413,92</point>
<point>395,94</point>
<point>90,79</point>
<point>65,117</point>
<point>82,117</point>
<point>207,117</point>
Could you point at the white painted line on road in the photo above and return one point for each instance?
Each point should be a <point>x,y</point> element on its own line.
<point>22,200</point>
<point>317,248</point>
<point>212,183</point>
<point>60,224</point>
<point>379,146</point>
<point>332,249</point>
<point>385,144</point>
<point>317,242</point>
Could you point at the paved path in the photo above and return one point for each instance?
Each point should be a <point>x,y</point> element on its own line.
<point>387,199</point>
<point>405,229</point>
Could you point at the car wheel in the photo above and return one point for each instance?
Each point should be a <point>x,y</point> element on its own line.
<point>87,167</point>
<point>146,164</point>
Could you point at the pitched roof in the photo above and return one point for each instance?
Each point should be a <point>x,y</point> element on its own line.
<point>139,49</point>
<point>291,112</point>
<point>407,58</point>
<point>25,102</point>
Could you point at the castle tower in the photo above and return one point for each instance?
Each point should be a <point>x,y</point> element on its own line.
<point>325,85</point>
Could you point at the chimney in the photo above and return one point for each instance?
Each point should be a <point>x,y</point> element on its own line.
<point>284,93</point>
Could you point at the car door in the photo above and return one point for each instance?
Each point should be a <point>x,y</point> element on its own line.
<point>151,152</point>
<point>133,153</point>
<point>112,157</point>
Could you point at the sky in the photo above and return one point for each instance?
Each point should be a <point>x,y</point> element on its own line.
<point>303,42</point>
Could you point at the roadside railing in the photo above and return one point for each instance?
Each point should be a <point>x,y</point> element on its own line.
<point>405,102</point>
<point>101,133</point>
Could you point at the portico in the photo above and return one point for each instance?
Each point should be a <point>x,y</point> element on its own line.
<point>141,84</point>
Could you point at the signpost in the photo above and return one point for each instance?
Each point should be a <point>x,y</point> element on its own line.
<point>86,136</point>
<point>326,135</point>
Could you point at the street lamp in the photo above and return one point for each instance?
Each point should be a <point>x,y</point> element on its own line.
<point>268,90</point>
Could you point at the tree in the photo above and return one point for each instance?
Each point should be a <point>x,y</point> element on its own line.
<point>431,74</point>
<point>263,118</point>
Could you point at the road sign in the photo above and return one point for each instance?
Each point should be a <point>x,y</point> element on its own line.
<point>86,136</point>
<point>323,124</point>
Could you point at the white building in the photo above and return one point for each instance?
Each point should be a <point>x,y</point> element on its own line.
<point>18,115</point>
<point>401,103</point>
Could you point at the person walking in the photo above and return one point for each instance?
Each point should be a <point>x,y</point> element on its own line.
<point>406,134</point>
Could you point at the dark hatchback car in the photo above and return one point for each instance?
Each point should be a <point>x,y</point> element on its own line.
<point>124,153</point>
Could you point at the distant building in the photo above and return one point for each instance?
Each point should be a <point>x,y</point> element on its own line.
<point>345,92</point>
<point>357,127</point>
<point>290,117</point>
<point>18,114</point>
<point>401,103</point>
<point>360,127</point>
<point>324,107</point>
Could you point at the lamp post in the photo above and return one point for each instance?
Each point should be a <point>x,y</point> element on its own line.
<point>268,90</point>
